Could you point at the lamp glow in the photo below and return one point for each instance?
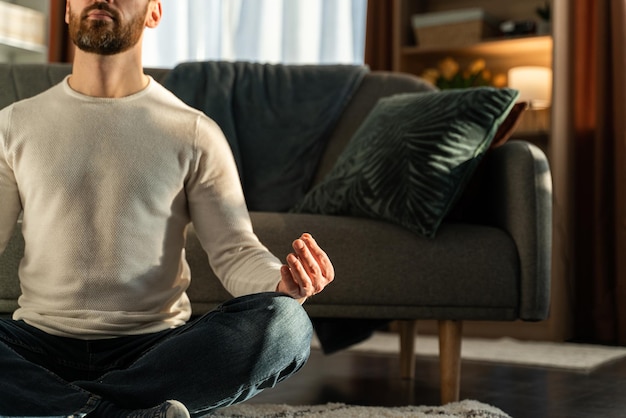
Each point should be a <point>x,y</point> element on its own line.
<point>534,85</point>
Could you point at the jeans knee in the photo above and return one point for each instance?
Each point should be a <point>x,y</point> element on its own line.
<point>276,321</point>
<point>290,330</point>
<point>295,317</point>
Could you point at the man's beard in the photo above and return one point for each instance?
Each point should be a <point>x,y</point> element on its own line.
<point>105,37</point>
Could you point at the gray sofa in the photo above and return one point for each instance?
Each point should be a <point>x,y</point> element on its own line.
<point>495,266</point>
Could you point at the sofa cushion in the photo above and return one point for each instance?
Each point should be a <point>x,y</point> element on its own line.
<point>412,156</point>
<point>385,271</point>
<point>375,85</point>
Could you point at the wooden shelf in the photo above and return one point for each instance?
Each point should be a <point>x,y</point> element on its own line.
<point>19,46</point>
<point>491,47</point>
<point>500,54</point>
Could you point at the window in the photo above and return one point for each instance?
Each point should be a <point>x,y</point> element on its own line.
<point>272,31</point>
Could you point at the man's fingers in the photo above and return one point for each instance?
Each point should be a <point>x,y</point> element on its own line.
<point>308,269</point>
<point>300,276</point>
<point>288,286</point>
<point>307,259</point>
<point>321,258</point>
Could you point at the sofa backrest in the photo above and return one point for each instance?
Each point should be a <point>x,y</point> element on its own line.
<point>20,81</point>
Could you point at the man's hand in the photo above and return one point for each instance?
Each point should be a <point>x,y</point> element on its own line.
<point>308,270</point>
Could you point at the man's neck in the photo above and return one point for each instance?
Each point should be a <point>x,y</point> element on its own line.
<point>111,76</point>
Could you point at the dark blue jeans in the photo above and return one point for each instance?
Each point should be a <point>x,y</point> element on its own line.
<point>224,357</point>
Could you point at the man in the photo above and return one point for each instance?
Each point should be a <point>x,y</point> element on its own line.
<point>108,169</point>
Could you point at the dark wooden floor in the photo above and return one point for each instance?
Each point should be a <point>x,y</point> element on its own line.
<point>522,392</point>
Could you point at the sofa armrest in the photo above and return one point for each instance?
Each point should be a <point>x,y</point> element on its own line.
<point>519,200</point>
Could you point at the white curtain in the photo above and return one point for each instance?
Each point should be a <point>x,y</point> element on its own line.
<point>271,31</point>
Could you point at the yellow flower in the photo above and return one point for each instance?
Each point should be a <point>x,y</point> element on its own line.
<point>431,75</point>
<point>450,75</point>
<point>448,67</point>
<point>477,66</point>
<point>499,80</point>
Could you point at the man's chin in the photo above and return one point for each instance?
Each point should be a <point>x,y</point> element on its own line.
<point>105,36</point>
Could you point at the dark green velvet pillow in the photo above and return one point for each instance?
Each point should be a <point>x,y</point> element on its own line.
<point>412,156</point>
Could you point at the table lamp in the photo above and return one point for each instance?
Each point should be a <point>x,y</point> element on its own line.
<point>534,84</point>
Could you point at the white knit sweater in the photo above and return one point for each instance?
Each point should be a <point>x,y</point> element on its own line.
<point>107,188</point>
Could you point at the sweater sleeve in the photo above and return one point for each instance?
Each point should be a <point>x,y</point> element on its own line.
<point>221,220</point>
<point>10,203</point>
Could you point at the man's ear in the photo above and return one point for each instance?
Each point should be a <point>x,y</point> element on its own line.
<point>67,12</point>
<point>155,12</point>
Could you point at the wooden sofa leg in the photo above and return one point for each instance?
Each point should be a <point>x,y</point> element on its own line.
<point>407,330</point>
<point>450,334</point>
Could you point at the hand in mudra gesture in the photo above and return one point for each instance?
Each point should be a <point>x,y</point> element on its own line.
<point>308,270</point>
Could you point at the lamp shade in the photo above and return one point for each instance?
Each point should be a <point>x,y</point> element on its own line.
<point>533,83</point>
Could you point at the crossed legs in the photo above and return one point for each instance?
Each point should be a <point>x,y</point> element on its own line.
<point>225,357</point>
